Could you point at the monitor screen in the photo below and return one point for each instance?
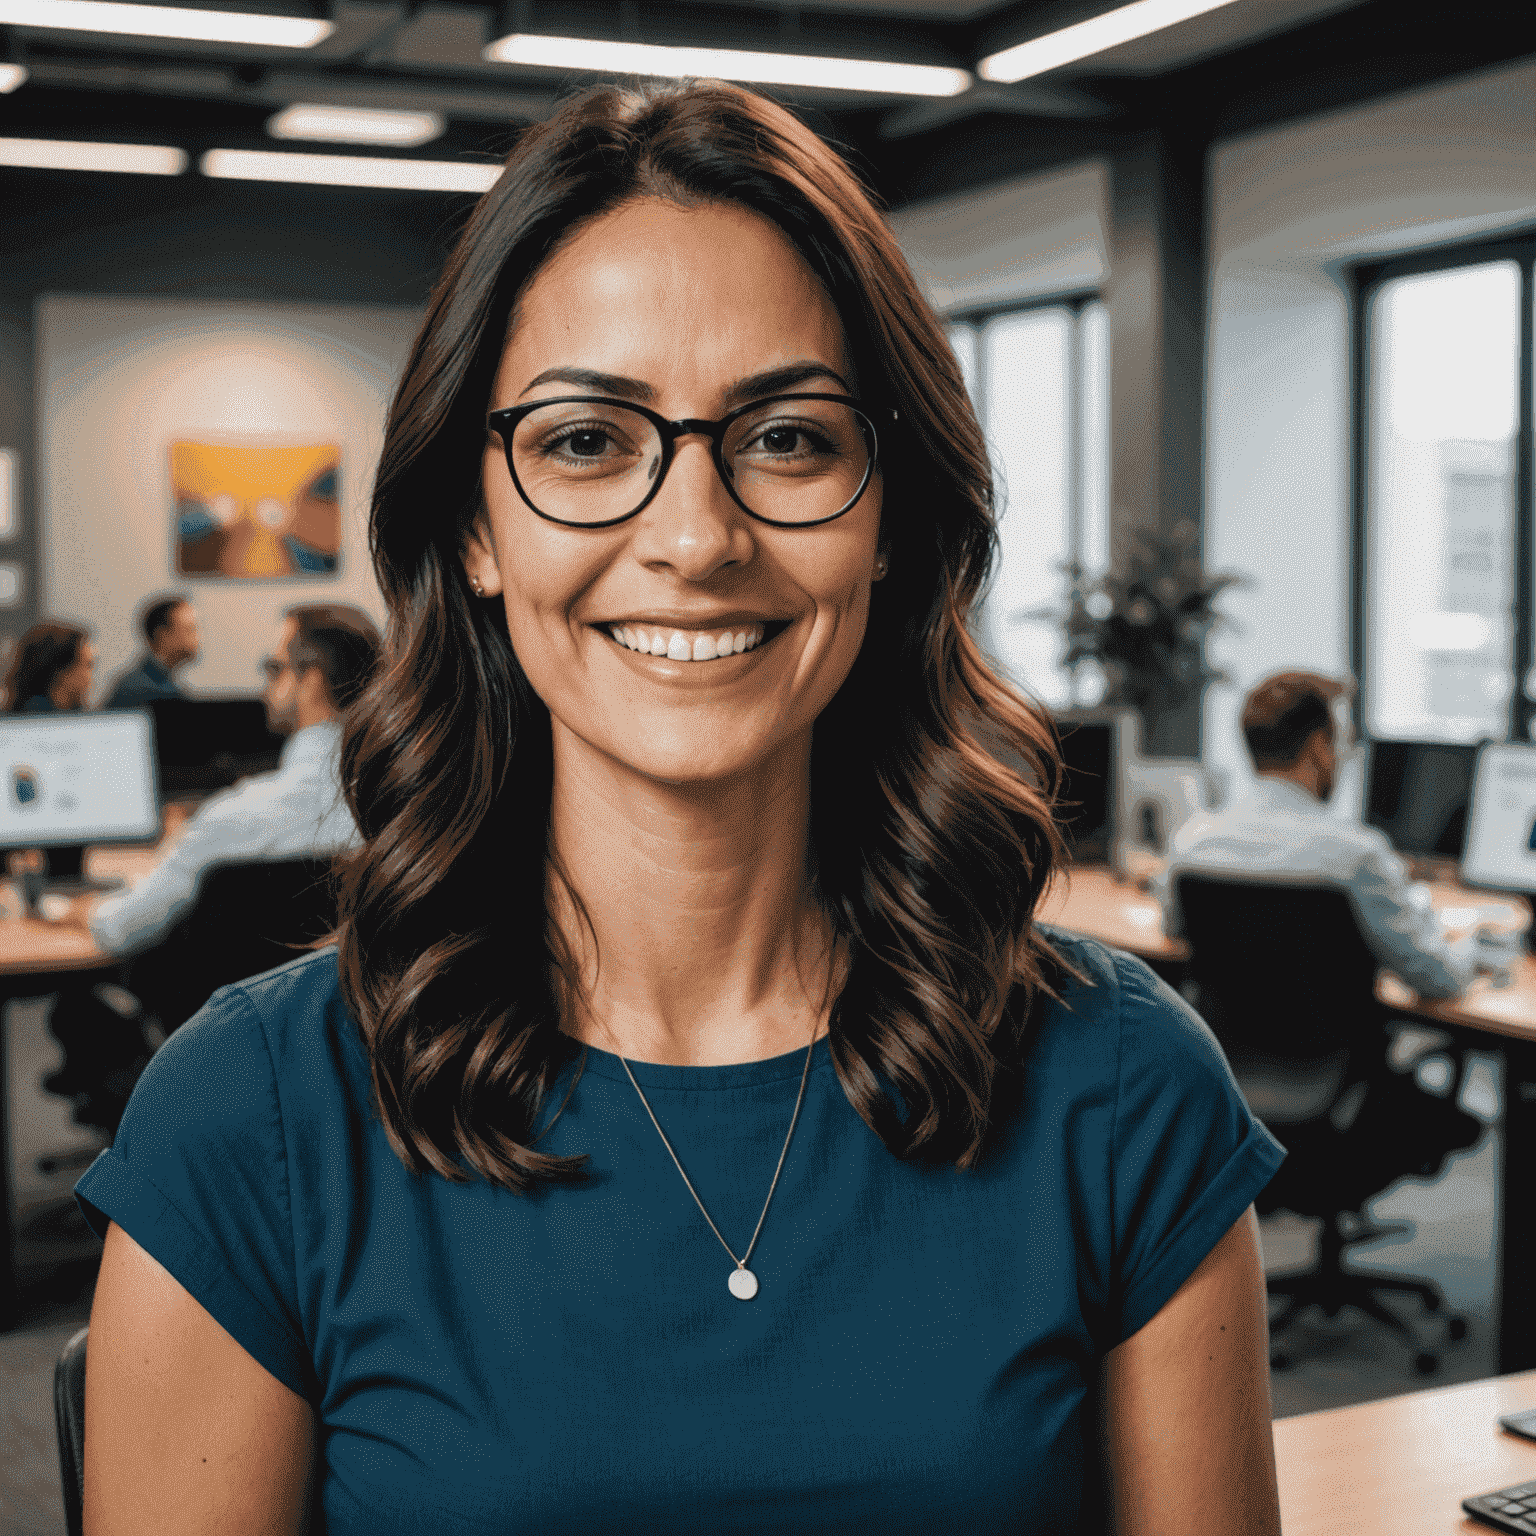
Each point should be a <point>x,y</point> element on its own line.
<point>1088,786</point>
<point>77,778</point>
<point>1501,826</point>
<point>1417,794</point>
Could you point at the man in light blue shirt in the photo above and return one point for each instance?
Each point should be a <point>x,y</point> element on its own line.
<point>1283,830</point>
<point>323,658</point>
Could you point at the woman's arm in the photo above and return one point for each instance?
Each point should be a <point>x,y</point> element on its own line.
<point>1185,1406</point>
<point>184,1431</point>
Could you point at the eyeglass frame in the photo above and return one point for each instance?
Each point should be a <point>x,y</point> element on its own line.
<point>504,421</point>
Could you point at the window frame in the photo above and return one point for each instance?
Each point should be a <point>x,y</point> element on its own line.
<point>1365,281</point>
<point>1075,302</point>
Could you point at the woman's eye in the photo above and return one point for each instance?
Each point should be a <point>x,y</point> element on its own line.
<point>585,444</point>
<point>788,440</point>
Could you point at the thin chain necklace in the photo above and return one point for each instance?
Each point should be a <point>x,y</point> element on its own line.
<point>742,1283</point>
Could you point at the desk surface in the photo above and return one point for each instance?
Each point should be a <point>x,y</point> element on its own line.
<point>1092,902</point>
<point>31,947</point>
<point>1402,1467</point>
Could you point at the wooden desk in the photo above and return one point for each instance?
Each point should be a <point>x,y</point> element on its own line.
<point>1402,1467</point>
<point>38,957</point>
<point>1501,1020</point>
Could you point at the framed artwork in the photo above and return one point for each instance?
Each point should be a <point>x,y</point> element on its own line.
<point>248,512</point>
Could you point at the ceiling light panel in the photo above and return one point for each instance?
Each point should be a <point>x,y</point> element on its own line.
<point>349,170</point>
<point>74,155</point>
<point>355,125</point>
<point>1089,37</point>
<point>614,58</point>
<point>12,77</point>
<point>199,26</point>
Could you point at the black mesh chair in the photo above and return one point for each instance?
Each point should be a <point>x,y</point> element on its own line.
<point>1287,983</point>
<point>69,1418</point>
<point>247,919</point>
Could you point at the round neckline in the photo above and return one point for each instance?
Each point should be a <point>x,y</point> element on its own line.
<point>740,1074</point>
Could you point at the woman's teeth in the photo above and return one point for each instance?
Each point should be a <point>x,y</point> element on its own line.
<point>686,644</point>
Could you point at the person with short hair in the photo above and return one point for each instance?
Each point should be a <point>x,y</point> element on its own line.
<point>51,670</point>
<point>1291,724</point>
<point>169,624</point>
<point>324,656</point>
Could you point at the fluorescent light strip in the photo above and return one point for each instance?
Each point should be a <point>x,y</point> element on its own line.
<point>355,125</point>
<point>348,170</point>
<point>1089,37</point>
<point>74,155</point>
<point>165,21</point>
<point>729,64</point>
<point>12,77</point>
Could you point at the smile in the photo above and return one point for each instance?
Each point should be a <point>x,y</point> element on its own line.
<point>690,644</point>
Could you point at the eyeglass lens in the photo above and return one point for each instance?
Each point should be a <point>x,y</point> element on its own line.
<point>792,461</point>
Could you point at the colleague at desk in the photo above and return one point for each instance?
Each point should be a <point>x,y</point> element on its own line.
<point>1282,828</point>
<point>172,641</point>
<point>324,655</point>
<point>51,670</point>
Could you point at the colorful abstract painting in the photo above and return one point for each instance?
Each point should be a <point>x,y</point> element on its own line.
<point>256,511</point>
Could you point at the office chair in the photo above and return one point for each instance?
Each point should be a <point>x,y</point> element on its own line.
<point>1287,984</point>
<point>69,1417</point>
<point>247,919</point>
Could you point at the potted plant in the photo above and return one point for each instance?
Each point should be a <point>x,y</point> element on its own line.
<point>1145,629</point>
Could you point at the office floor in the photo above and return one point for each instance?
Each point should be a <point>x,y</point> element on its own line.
<point>1345,1360</point>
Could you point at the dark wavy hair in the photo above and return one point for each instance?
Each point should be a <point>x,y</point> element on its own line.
<point>930,853</point>
<point>41,654</point>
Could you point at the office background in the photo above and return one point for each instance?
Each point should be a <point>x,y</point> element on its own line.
<point>1172,272</point>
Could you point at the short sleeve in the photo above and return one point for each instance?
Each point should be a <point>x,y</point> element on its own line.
<point>197,1176</point>
<point>1188,1155</point>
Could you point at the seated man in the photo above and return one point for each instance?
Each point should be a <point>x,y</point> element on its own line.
<point>170,631</point>
<point>1282,829</point>
<point>324,656</point>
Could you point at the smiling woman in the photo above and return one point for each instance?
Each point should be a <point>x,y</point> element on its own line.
<point>692,1129</point>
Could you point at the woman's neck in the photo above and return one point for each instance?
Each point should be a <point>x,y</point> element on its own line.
<point>712,947</point>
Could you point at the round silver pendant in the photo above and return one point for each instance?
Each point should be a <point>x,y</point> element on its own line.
<point>743,1284</point>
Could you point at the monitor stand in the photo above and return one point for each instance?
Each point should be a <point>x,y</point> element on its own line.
<point>65,874</point>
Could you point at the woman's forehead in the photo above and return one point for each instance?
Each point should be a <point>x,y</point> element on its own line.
<point>715,292</point>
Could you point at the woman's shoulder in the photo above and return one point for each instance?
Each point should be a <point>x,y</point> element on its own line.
<point>271,1040</point>
<point>1107,1006</point>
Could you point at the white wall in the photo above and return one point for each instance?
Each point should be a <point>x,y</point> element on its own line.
<point>120,378</point>
<point>1288,207</point>
<point>1010,241</point>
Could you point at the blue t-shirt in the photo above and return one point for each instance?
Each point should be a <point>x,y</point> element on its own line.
<point>921,1353</point>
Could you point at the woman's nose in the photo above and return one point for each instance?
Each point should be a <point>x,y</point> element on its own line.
<point>693,526</point>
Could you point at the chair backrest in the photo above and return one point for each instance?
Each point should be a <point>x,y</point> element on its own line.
<point>69,1417</point>
<point>247,919</point>
<point>1282,968</point>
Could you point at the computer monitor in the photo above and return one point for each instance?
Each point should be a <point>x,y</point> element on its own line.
<point>1417,793</point>
<point>1501,824</point>
<point>76,779</point>
<point>206,744</point>
<point>1096,748</point>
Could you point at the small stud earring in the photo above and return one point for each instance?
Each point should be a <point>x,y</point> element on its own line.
<point>474,582</point>
<point>881,565</point>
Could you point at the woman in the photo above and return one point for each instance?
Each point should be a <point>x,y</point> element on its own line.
<point>692,1130</point>
<point>51,670</point>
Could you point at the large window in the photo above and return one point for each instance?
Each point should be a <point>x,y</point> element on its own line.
<point>1443,594</point>
<point>1039,378</point>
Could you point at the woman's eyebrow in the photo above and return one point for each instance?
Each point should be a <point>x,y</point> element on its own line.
<point>599,383</point>
<point>776,381</point>
<point>771,381</point>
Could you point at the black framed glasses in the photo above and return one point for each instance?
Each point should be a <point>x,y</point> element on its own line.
<point>589,461</point>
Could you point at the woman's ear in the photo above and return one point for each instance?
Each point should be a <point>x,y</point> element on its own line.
<point>479,558</point>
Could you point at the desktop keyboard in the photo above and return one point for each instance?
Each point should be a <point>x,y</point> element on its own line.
<point>1510,1509</point>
